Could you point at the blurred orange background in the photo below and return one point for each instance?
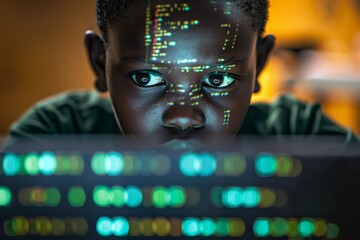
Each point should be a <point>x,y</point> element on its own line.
<point>317,56</point>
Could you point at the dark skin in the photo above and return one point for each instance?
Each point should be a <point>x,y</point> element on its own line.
<point>198,89</point>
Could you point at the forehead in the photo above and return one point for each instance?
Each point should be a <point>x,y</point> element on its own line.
<point>183,31</point>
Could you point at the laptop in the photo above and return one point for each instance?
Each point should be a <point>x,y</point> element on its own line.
<point>249,189</point>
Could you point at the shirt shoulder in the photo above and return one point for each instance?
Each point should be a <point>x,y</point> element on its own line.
<point>72,112</point>
<point>289,116</point>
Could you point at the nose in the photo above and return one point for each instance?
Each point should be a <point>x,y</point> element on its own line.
<point>183,118</point>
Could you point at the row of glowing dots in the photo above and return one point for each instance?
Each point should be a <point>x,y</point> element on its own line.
<point>38,196</point>
<point>306,227</point>
<point>45,163</point>
<point>119,226</point>
<point>158,196</point>
<point>114,164</point>
<point>191,164</point>
<point>266,165</point>
<point>174,227</point>
<point>176,196</point>
<point>44,226</point>
<point>248,197</point>
<point>103,196</point>
<point>282,165</point>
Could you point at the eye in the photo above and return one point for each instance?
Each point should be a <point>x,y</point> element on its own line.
<point>147,78</point>
<point>219,79</point>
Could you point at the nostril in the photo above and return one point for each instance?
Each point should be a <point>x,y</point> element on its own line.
<point>184,120</point>
<point>171,125</point>
<point>183,123</point>
<point>179,128</point>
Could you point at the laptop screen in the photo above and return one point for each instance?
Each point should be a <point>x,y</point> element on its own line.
<point>233,192</point>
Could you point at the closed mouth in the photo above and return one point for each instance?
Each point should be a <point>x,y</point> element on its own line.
<point>182,145</point>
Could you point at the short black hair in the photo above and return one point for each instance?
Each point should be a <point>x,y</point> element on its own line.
<point>109,11</point>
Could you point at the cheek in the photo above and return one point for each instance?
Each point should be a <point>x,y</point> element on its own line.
<point>136,110</point>
<point>235,103</point>
<point>229,108</point>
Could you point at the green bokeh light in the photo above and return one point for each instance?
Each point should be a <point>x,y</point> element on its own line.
<point>261,227</point>
<point>160,197</point>
<point>98,163</point>
<point>191,227</point>
<point>306,227</point>
<point>76,196</point>
<point>101,196</point>
<point>222,227</point>
<point>104,226</point>
<point>114,164</point>
<point>251,197</point>
<point>190,164</point>
<point>177,196</point>
<point>47,163</point>
<point>11,164</point>
<point>65,164</point>
<point>216,196</point>
<point>285,166</point>
<point>52,197</point>
<point>74,165</point>
<point>120,226</point>
<point>134,196</point>
<point>332,231</point>
<point>208,227</point>
<point>234,165</point>
<point>118,196</point>
<point>232,197</point>
<point>279,227</point>
<point>19,226</point>
<point>265,165</point>
<point>208,164</point>
<point>31,164</point>
<point>5,196</point>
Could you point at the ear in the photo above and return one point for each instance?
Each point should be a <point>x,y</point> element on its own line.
<point>97,55</point>
<point>264,49</point>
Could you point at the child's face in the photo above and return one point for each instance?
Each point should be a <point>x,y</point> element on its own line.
<point>179,70</point>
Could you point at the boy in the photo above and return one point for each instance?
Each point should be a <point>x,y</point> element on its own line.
<point>179,72</point>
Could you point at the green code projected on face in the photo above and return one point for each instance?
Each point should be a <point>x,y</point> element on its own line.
<point>161,30</point>
<point>171,34</point>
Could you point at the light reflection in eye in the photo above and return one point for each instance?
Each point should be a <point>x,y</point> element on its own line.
<point>219,79</point>
<point>147,78</point>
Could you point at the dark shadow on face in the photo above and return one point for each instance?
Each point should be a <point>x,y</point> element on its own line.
<point>179,70</point>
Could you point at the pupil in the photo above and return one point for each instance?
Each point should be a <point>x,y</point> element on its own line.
<point>216,79</point>
<point>142,78</point>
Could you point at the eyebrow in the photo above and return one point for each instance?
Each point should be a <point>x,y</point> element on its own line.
<point>233,60</point>
<point>138,59</point>
<point>143,60</point>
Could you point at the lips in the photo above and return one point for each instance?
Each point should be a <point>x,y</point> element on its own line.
<point>182,145</point>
